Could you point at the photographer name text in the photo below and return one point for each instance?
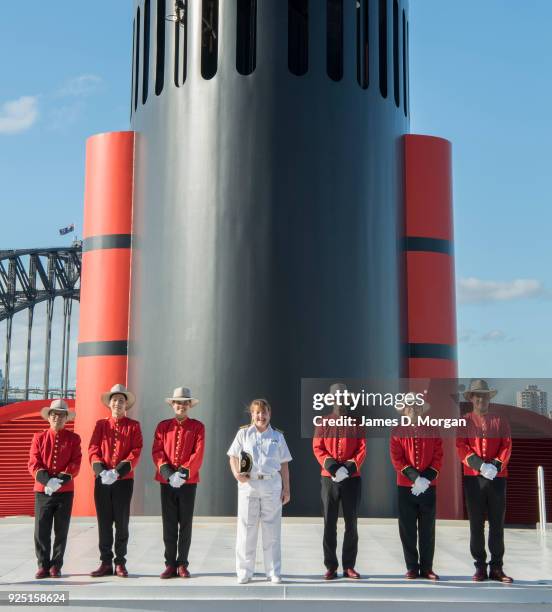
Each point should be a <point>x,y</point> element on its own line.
<point>405,421</point>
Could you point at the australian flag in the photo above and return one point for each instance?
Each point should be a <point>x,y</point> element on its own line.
<point>67,230</point>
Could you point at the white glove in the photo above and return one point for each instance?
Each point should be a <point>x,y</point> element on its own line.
<point>109,476</point>
<point>420,486</point>
<point>341,474</point>
<point>47,490</point>
<point>177,480</point>
<point>488,470</point>
<point>54,484</point>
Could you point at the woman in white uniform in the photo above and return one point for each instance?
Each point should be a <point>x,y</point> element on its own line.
<point>263,487</point>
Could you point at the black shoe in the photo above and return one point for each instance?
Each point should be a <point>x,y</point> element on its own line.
<point>170,572</point>
<point>429,574</point>
<point>121,570</point>
<point>351,572</point>
<point>497,574</point>
<point>480,574</point>
<point>105,569</point>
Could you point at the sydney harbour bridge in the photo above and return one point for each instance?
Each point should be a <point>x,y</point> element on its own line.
<point>30,277</point>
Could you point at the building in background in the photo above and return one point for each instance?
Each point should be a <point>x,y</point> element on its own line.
<point>533,398</point>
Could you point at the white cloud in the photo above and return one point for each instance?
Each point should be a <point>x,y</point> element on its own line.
<point>475,337</point>
<point>80,86</point>
<point>495,335</point>
<point>21,114</point>
<point>471,290</point>
<point>18,115</point>
<point>74,92</point>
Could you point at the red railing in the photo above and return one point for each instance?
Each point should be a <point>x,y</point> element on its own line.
<point>18,423</point>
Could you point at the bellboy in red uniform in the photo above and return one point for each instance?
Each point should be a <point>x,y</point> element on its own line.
<point>484,450</point>
<point>114,451</point>
<point>178,447</point>
<point>417,459</point>
<point>340,451</point>
<point>54,461</point>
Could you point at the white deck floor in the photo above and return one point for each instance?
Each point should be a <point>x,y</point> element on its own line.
<point>213,583</point>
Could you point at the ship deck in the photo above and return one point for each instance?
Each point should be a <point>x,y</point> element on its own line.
<point>213,583</point>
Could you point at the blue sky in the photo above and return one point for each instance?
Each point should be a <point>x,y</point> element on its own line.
<point>480,76</point>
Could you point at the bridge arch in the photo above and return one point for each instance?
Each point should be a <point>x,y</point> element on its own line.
<point>29,277</point>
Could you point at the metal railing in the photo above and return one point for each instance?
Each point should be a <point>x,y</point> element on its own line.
<point>16,394</point>
<point>542,500</point>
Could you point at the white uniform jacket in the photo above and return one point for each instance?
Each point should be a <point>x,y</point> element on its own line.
<point>268,449</point>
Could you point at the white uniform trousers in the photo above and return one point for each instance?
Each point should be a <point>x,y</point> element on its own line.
<point>259,500</point>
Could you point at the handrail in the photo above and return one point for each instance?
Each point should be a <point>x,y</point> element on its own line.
<point>542,499</point>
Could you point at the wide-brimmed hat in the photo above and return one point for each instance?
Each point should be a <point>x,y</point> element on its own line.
<point>479,386</point>
<point>59,406</point>
<point>182,394</point>
<point>122,390</point>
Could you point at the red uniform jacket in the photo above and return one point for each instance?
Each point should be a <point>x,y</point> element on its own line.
<point>486,439</point>
<point>336,447</point>
<point>116,443</point>
<point>176,445</point>
<point>55,454</point>
<point>413,455</point>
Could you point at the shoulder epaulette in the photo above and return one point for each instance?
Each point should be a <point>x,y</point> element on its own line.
<point>278,430</point>
<point>245,426</point>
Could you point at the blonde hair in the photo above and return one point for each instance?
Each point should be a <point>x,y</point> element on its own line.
<point>259,403</point>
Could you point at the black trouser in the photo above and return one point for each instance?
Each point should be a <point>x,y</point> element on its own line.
<point>417,523</point>
<point>486,498</point>
<point>177,510</point>
<point>113,506</point>
<point>348,493</point>
<point>52,509</point>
